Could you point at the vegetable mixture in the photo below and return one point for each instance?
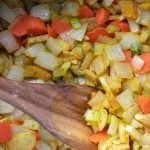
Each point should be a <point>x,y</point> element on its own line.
<point>99,43</point>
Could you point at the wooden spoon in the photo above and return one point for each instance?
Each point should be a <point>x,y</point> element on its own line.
<point>58,108</point>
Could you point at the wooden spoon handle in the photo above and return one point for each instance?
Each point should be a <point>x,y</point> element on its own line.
<point>59,108</point>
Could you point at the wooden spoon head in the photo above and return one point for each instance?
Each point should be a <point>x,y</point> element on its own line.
<point>59,108</point>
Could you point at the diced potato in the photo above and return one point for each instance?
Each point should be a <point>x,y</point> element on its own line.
<point>37,72</point>
<point>134,85</point>
<point>65,46</point>
<point>47,60</point>
<point>128,9</point>
<point>36,39</point>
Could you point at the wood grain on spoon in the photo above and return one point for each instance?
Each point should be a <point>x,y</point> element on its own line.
<point>59,108</point>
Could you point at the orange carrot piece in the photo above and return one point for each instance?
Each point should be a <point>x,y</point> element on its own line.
<point>34,148</point>
<point>93,35</point>
<point>144,103</point>
<point>146,67</point>
<point>50,31</point>
<point>128,55</point>
<point>60,26</point>
<point>38,137</point>
<point>5,132</point>
<point>98,136</point>
<point>85,12</point>
<point>28,25</point>
<point>123,25</point>
<point>15,121</point>
<point>102,16</point>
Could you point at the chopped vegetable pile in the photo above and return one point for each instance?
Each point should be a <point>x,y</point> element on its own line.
<point>104,44</point>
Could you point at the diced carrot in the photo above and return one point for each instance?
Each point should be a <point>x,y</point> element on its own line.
<point>98,136</point>
<point>116,2</point>
<point>28,25</point>
<point>85,11</point>
<point>144,103</point>
<point>15,121</point>
<point>93,35</point>
<point>50,31</point>
<point>128,55</point>
<point>123,25</point>
<point>5,132</point>
<point>146,67</point>
<point>60,26</point>
<point>102,16</point>
<point>38,137</point>
<point>34,148</point>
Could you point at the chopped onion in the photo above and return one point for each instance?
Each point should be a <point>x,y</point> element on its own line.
<point>136,124</point>
<point>127,40</point>
<point>134,27</point>
<point>8,40</point>
<point>19,11</point>
<point>113,127</point>
<point>145,20</point>
<point>78,34</point>
<point>35,49</point>
<point>42,11</point>
<point>107,3</point>
<point>42,146</point>
<point>16,73</point>
<point>115,53</point>
<point>133,132</point>
<point>6,13</point>
<point>125,99</point>
<point>6,108</point>
<point>145,140</point>
<point>71,8</point>
<point>122,70</point>
<point>47,60</point>
<point>137,62</point>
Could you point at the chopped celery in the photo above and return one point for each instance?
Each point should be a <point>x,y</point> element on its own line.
<point>123,135</point>
<point>64,68</point>
<point>128,115</point>
<point>92,116</point>
<point>125,99</point>
<point>75,23</point>
<point>114,124</point>
<point>133,132</point>
<point>96,99</point>
<point>112,28</point>
<point>136,48</point>
<point>37,39</point>
<point>103,121</point>
<point>135,145</point>
<point>143,118</point>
